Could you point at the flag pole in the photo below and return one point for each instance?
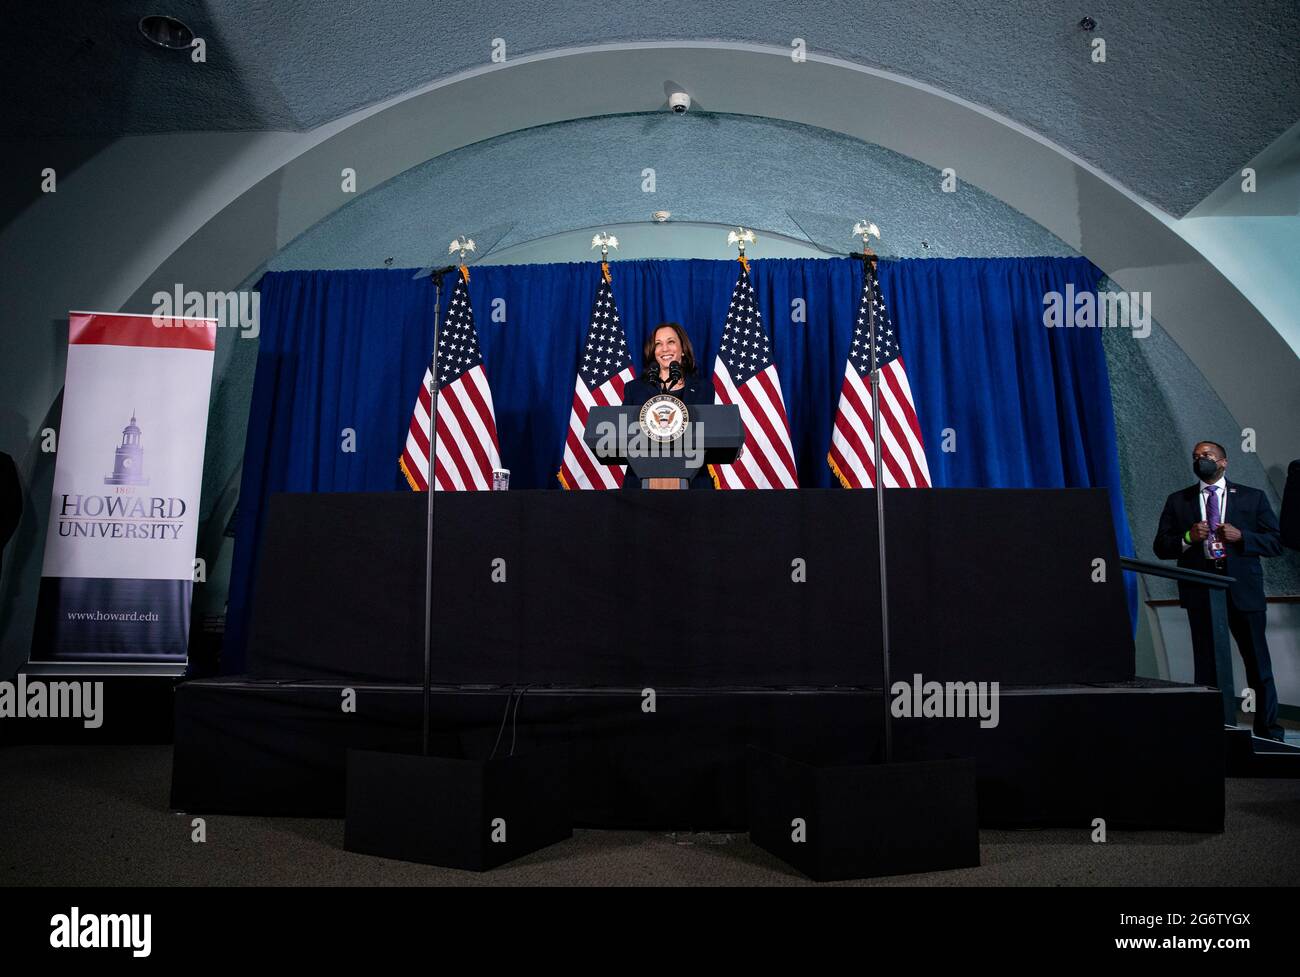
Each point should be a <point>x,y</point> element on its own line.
<point>427,696</point>
<point>460,244</point>
<point>869,259</point>
<point>870,269</point>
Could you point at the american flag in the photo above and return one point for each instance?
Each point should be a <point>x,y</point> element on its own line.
<point>467,430</point>
<point>744,373</point>
<point>605,366</point>
<point>852,451</point>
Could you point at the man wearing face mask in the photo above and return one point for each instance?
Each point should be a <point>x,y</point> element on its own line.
<point>1218,526</point>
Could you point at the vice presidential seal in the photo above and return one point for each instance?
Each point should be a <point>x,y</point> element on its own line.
<point>664,418</point>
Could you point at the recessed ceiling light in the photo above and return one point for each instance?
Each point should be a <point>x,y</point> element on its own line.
<point>166,32</point>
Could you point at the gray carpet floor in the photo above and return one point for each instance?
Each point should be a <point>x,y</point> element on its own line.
<point>88,816</point>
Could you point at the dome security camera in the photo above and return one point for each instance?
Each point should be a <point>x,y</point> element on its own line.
<point>679,102</point>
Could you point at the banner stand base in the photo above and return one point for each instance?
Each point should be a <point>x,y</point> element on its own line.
<point>169,669</point>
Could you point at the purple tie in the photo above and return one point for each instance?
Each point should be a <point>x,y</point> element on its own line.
<point>1212,513</point>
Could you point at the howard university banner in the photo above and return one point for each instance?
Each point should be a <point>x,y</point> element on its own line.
<point>119,552</point>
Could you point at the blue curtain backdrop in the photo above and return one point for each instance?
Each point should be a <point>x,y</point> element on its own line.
<point>1028,406</point>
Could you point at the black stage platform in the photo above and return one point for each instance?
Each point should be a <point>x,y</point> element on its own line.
<point>695,590</point>
<point>1141,755</point>
<point>696,595</point>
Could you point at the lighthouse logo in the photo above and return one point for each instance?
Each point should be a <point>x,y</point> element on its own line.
<point>128,462</point>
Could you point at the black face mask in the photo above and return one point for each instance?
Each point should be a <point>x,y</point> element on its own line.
<point>1205,468</point>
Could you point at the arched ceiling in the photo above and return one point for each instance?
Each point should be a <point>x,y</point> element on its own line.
<point>1189,92</point>
<point>715,169</point>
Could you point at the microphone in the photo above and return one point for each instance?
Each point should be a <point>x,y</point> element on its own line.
<point>674,373</point>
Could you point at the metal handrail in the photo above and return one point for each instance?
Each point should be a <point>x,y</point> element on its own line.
<point>1176,573</point>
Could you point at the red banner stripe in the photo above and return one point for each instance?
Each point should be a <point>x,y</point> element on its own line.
<point>164,332</point>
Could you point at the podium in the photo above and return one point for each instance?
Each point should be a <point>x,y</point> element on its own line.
<point>711,434</point>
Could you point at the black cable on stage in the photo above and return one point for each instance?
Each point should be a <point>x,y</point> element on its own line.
<point>514,720</point>
<point>502,729</point>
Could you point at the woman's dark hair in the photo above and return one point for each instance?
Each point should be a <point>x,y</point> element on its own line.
<point>688,351</point>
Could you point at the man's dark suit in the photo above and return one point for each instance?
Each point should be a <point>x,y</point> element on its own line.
<point>1248,510</point>
<point>1291,507</point>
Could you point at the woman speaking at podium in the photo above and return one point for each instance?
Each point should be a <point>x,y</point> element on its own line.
<point>666,347</point>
